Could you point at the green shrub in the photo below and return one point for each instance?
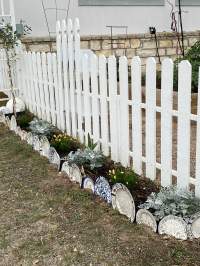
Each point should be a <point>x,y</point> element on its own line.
<point>23,119</point>
<point>64,144</point>
<point>123,176</point>
<point>193,56</point>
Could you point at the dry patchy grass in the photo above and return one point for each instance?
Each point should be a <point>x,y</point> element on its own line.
<point>46,220</point>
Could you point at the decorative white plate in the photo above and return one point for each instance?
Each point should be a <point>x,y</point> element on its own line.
<point>18,130</point>
<point>2,118</point>
<point>54,157</point>
<point>66,168</point>
<point>88,183</point>
<point>195,228</point>
<point>75,174</point>
<point>13,123</point>
<point>145,217</point>
<point>30,138</point>
<point>23,135</point>
<point>173,226</point>
<point>36,143</point>
<point>7,122</point>
<point>102,189</point>
<point>44,146</point>
<point>122,201</point>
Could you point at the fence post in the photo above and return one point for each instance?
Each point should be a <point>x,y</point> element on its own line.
<point>166,122</point>
<point>136,114</point>
<point>184,111</point>
<point>151,118</point>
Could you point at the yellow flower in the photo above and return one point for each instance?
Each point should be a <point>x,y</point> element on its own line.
<point>115,177</point>
<point>113,171</point>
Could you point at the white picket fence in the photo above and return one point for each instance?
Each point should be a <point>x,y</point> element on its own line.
<point>84,95</point>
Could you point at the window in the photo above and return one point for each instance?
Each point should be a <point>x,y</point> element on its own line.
<point>189,2</point>
<point>122,2</point>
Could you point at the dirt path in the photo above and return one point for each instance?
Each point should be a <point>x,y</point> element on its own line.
<point>45,220</point>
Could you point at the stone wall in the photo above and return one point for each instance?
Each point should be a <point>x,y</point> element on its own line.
<point>143,45</point>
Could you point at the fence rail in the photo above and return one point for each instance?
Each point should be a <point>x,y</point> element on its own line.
<point>99,96</point>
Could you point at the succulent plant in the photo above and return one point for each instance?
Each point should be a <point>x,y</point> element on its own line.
<point>174,201</point>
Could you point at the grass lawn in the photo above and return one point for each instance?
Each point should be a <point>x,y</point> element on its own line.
<point>46,220</point>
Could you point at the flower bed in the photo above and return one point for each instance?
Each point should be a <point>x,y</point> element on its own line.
<point>167,211</point>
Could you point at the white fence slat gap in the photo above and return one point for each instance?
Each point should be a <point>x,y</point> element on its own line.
<point>66,76</point>
<point>197,187</point>
<point>166,122</point>
<point>95,99</point>
<point>51,89</point>
<point>124,111</point>
<point>136,77</point>
<point>86,90</point>
<point>60,77</point>
<point>112,76</point>
<point>151,119</point>
<point>103,103</point>
<point>78,80</point>
<point>71,74</point>
<point>184,111</point>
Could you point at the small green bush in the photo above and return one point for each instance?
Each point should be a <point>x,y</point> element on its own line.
<point>23,119</point>
<point>193,56</point>
<point>123,176</point>
<point>64,144</point>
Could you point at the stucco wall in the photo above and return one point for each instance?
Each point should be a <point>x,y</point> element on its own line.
<point>93,19</point>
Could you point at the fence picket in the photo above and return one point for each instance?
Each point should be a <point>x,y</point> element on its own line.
<point>166,122</point>
<point>86,90</point>
<point>151,118</point>
<point>60,78</point>
<point>32,83</point>
<point>78,80</point>
<point>36,85</point>
<point>103,103</point>
<point>51,89</point>
<point>56,91</point>
<point>184,110</point>
<point>71,75</point>
<point>136,114</point>
<point>124,111</point>
<point>40,85</point>
<point>66,77</point>
<point>95,99</point>
<point>46,91</point>
<point>112,74</point>
<point>197,187</point>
